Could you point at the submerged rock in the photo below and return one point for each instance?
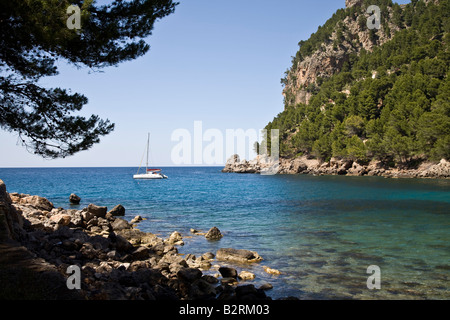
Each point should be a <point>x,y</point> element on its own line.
<point>271,271</point>
<point>240,256</point>
<point>118,262</point>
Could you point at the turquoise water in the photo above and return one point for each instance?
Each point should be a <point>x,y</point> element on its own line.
<point>322,233</point>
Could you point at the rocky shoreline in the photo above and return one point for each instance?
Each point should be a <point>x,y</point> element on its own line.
<point>117,260</point>
<point>305,165</point>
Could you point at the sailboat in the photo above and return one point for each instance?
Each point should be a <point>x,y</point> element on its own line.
<point>149,173</point>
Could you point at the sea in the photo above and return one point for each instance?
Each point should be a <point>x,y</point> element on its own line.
<point>331,237</point>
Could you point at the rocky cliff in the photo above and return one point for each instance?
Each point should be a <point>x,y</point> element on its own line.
<point>367,101</point>
<point>344,35</point>
<point>306,165</point>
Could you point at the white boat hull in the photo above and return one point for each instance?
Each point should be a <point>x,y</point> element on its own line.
<point>150,176</point>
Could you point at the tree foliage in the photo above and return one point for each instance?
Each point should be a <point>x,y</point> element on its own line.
<point>398,107</point>
<point>34,36</point>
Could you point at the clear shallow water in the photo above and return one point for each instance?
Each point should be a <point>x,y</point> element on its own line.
<point>321,232</point>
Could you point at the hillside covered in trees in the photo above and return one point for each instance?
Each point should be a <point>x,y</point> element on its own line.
<point>386,97</point>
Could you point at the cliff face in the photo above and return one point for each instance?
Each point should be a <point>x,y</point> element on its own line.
<point>346,37</point>
<point>365,98</point>
<point>351,3</point>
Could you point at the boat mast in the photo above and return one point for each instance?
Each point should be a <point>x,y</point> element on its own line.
<point>148,144</point>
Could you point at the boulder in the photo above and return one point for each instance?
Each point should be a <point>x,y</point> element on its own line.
<point>117,211</point>
<point>271,271</point>
<point>37,202</point>
<point>136,219</point>
<point>214,234</point>
<point>86,215</point>
<point>141,253</point>
<point>246,275</point>
<point>240,256</point>
<point>74,199</point>
<point>189,274</point>
<point>97,211</point>
<point>120,224</point>
<point>175,239</point>
<point>245,290</point>
<point>227,272</point>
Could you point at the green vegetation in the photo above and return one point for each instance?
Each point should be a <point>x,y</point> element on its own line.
<point>34,36</point>
<point>398,108</point>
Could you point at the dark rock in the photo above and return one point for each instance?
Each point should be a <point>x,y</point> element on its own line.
<point>117,211</point>
<point>227,272</point>
<point>245,290</point>
<point>74,199</point>
<point>141,253</point>
<point>120,224</point>
<point>208,256</point>
<point>97,211</point>
<point>214,234</point>
<point>210,279</point>
<point>266,286</point>
<point>189,274</point>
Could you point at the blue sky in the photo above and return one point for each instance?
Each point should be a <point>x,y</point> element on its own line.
<point>219,62</point>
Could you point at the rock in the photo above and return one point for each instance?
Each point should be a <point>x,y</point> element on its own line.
<point>117,211</point>
<point>189,274</point>
<point>271,271</point>
<point>241,256</point>
<point>214,234</point>
<point>120,224</point>
<point>210,279</point>
<point>37,202</point>
<point>227,272</point>
<point>246,275</point>
<point>228,281</point>
<point>245,290</point>
<point>351,3</point>
<point>197,232</point>
<point>74,199</point>
<point>138,237</point>
<point>61,219</point>
<point>86,215</point>
<point>136,219</point>
<point>266,286</point>
<point>141,253</point>
<point>121,244</point>
<point>175,239</point>
<point>97,211</point>
<point>208,256</point>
